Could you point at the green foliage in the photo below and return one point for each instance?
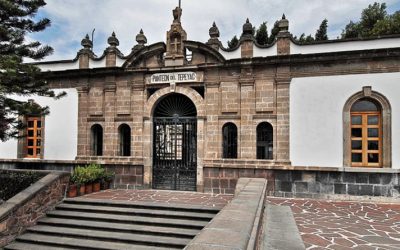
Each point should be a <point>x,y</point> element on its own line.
<point>233,43</point>
<point>388,26</point>
<point>262,34</point>
<point>90,173</point>
<point>13,182</point>
<point>17,78</point>
<point>374,21</point>
<point>274,32</point>
<point>322,32</point>
<point>303,39</point>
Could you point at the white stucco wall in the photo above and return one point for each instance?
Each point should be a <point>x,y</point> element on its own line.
<point>316,106</point>
<point>345,46</point>
<point>60,128</point>
<point>264,52</point>
<point>231,54</point>
<point>97,64</point>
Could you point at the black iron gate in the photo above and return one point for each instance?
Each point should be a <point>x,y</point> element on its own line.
<point>175,153</point>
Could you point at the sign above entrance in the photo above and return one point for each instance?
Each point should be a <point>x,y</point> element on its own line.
<point>175,77</point>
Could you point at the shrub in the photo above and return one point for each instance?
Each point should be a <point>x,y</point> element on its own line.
<point>13,182</point>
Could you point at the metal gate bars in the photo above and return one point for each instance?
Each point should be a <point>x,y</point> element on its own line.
<point>175,153</point>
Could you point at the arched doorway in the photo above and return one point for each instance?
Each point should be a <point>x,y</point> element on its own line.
<point>175,144</point>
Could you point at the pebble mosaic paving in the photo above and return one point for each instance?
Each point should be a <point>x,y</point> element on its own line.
<point>345,225</point>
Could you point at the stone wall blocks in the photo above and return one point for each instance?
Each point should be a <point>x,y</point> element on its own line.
<point>386,179</point>
<point>301,187</point>
<point>349,178</point>
<point>284,186</point>
<point>340,188</point>
<point>374,179</point>
<point>362,178</point>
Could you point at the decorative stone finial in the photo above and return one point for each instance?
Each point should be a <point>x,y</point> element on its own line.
<point>214,35</point>
<point>214,31</point>
<point>247,28</point>
<point>112,40</point>
<point>86,42</point>
<point>283,24</point>
<point>141,38</point>
<point>177,13</point>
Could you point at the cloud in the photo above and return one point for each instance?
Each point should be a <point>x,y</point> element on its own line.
<point>72,19</point>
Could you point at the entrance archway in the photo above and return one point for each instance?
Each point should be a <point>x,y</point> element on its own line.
<point>175,143</point>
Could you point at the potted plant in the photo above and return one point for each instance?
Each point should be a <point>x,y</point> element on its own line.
<point>79,172</point>
<point>89,180</point>
<point>98,172</point>
<point>72,188</point>
<point>108,177</point>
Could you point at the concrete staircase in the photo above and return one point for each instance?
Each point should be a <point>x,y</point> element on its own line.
<point>104,224</point>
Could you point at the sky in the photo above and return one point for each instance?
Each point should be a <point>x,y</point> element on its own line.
<point>73,19</point>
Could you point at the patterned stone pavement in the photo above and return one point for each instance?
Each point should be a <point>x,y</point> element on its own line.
<point>345,225</point>
<point>175,197</point>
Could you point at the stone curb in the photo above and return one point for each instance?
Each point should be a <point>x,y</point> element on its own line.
<point>237,225</point>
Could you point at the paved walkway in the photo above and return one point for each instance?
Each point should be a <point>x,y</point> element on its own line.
<point>175,197</point>
<point>345,225</point>
<point>322,224</point>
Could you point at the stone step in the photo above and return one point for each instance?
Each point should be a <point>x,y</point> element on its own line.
<point>122,227</point>
<point>144,205</point>
<point>77,243</point>
<point>26,246</point>
<point>178,223</point>
<point>136,211</point>
<point>123,237</point>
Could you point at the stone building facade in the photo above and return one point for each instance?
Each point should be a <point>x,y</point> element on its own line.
<point>196,116</point>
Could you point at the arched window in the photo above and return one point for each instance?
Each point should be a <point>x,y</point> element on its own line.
<point>124,132</point>
<point>97,140</point>
<point>229,144</point>
<point>366,133</point>
<point>265,141</point>
<point>367,130</point>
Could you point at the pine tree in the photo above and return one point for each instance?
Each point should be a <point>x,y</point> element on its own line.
<point>322,32</point>
<point>374,21</point>
<point>274,33</point>
<point>233,43</point>
<point>17,78</point>
<point>262,34</point>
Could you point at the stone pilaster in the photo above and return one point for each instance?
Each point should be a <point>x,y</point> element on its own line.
<point>247,128</point>
<point>83,131</point>
<point>213,143</point>
<point>282,110</point>
<point>110,137</point>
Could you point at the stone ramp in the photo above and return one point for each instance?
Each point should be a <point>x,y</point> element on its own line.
<point>280,229</point>
<point>104,224</point>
